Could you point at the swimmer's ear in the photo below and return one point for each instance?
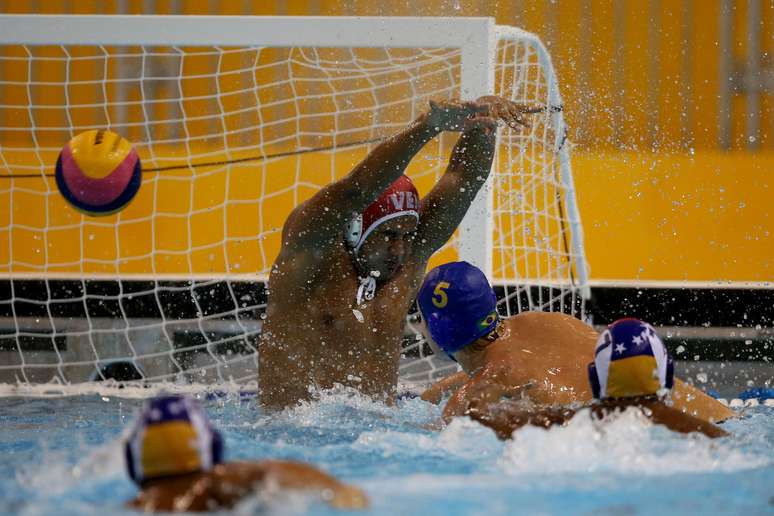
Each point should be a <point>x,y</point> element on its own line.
<point>421,326</point>
<point>435,347</point>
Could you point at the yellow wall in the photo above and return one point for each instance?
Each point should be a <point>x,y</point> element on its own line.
<point>707,217</point>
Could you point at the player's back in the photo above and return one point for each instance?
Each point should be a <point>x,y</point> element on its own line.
<point>550,349</point>
<point>554,350</point>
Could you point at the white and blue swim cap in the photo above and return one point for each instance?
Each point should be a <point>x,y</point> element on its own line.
<point>457,305</point>
<point>630,360</point>
<point>172,436</point>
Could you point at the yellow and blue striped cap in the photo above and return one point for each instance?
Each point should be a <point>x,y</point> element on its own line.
<point>630,360</point>
<point>172,436</point>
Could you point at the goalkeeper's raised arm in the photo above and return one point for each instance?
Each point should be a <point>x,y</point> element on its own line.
<point>353,257</point>
<point>471,159</point>
<point>324,215</point>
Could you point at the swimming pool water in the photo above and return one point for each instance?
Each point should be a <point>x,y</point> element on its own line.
<point>62,456</point>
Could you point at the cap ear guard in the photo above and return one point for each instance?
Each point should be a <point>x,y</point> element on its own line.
<point>669,381</point>
<point>593,380</point>
<point>425,331</point>
<point>353,229</point>
<point>216,448</point>
<point>129,457</point>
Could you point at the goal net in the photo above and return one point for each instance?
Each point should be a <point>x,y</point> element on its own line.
<point>236,121</point>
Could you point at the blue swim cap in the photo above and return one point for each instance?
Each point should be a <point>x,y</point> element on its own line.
<point>457,305</point>
<point>630,360</point>
<point>172,436</point>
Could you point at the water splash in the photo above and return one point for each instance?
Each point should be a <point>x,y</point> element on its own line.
<point>627,443</point>
<point>404,465</point>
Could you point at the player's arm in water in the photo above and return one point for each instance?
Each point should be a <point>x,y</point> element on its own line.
<point>435,393</point>
<point>226,484</point>
<point>505,418</point>
<point>319,221</point>
<point>490,385</point>
<point>679,421</point>
<point>693,401</point>
<point>469,166</point>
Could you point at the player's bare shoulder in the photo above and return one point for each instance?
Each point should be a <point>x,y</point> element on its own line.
<point>301,264</point>
<point>551,321</point>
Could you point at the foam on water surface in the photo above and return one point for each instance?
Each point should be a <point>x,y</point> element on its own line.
<point>62,456</point>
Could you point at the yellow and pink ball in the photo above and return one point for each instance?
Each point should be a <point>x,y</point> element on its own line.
<point>98,172</point>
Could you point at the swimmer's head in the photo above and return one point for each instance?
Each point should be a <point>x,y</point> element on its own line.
<point>381,237</point>
<point>458,307</point>
<point>172,436</point>
<point>630,360</point>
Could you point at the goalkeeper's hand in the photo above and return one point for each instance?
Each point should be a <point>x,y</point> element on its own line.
<point>512,113</point>
<point>450,115</point>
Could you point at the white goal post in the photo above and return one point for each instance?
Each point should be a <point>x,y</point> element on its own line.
<point>198,96</point>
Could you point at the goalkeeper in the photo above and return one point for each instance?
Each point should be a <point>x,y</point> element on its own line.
<point>353,257</point>
<point>540,355</point>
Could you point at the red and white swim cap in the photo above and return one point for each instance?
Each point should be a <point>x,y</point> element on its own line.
<point>399,199</point>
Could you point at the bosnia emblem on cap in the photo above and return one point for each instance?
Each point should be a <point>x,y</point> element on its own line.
<point>172,436</point>
<point>630,360</point>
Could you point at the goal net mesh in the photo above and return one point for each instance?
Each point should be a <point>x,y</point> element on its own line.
<point>171,288</point>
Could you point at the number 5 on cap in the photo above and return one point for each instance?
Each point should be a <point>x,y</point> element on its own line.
<point>442,299</point>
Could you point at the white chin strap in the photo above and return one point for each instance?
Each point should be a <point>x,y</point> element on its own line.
<point>366,290</point>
